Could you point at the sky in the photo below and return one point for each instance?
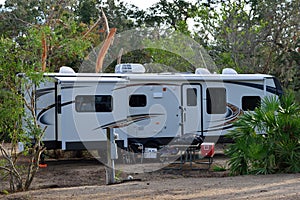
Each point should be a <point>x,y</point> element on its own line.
<point>139,3</point>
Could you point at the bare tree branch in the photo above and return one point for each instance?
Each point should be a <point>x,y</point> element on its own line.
<point>44,53</point>
<point>104,49</point>
<point>105,22</point>
<point>92,28</point>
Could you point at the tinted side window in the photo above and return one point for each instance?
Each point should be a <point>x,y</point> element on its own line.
<point>93,103</point>
<point>137,100</point>
<point>250,102</point>
<point>216,100</point>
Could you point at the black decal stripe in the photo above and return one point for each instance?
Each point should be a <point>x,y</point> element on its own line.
<point>146,84</point>
<point>71,87</point>
<point>274,90</point>
<point>44,91</point>
<point>253,85</point>
<point>270,89</point>
<point>67,103</point>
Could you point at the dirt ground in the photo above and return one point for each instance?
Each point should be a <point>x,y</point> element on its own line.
<point>85,179</point>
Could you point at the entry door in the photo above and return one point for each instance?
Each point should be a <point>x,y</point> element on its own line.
<point>191,109</point>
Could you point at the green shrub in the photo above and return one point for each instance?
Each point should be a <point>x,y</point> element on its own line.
<point>268,139</point>
<point>218,168</point>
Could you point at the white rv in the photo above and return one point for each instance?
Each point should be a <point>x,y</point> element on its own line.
<point>151,109</point>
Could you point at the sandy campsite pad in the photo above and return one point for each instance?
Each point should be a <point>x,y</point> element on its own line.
<point>282,186</point>
<point>85,179</point>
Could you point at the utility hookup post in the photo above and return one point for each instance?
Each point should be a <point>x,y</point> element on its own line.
<point>111,156</point>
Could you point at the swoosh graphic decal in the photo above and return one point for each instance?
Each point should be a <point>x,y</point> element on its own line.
<point>40,92</point>
<point>219,129</point>
<point>41,115</point>
<point>129,120</point>
<point>233,113</point>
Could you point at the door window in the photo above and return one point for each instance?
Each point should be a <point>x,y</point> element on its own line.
<point>191,97</point>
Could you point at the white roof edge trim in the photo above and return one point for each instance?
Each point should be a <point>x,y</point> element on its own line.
<point>90,79</point>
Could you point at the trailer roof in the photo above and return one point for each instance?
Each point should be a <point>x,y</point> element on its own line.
<point>114,77</point>
<point>89,79</point>
<point>198,77</point>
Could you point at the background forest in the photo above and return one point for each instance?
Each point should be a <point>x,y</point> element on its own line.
<point>248,35</point>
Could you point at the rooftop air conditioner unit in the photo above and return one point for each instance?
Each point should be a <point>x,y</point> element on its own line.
<point>129,68</point>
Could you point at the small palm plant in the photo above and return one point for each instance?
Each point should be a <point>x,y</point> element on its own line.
<point>268,139</point>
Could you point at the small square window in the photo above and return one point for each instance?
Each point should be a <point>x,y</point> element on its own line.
<point>250,102</point>
<point>137,100</point>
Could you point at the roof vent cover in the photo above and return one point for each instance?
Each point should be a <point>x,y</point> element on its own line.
<point>202,71</point>
<point>229,71</point>
<point>66,70</point>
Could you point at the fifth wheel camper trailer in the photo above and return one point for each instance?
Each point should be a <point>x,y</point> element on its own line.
<point>150,109</point>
